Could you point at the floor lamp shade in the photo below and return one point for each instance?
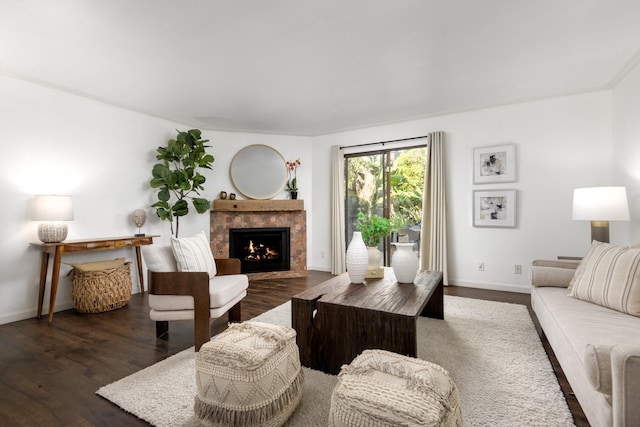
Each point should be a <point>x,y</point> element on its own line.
<point>52,210</point>
<point>600,205</point>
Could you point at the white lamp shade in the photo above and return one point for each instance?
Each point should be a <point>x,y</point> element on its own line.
<point>53,208</point>
<point>600,204</point>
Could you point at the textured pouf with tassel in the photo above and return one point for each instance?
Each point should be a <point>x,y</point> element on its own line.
<point>379,388</point>
<point>249,375</point>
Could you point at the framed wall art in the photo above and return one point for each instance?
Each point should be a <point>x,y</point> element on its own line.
<point>494,164</point>
<point>494,208</point>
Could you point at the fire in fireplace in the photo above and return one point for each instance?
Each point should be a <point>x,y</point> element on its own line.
<point>260,249</point>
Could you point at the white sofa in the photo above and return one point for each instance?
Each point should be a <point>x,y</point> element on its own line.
<point>597,347</point>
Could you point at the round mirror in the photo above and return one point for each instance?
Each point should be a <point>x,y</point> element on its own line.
<point>258,172</point>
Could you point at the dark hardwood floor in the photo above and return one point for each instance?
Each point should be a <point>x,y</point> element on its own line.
<point>49,373</point>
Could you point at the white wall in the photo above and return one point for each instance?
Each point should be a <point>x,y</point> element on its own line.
<point>626,137</point>
<point>102,155</point>
<point>561,144</point>
<point>57,143</point>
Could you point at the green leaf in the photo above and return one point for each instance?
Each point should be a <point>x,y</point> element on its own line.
<point>180,208</point>
<point>164,214</point>
<point>164,195</point>
<point>155,183</point>
<point>160,171</point>
<point>195,133</point>
<point>198,180</point>
<point>201,205</point>
<point>160,204</point>
<point>206,161</point>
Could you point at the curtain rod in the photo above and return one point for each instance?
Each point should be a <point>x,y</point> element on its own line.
<point>383,142</point>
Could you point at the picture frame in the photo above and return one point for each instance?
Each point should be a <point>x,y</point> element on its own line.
<point>494,164</point>
<point>494,208</point>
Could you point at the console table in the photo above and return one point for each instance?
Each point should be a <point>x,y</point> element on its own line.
<point>85,245</point>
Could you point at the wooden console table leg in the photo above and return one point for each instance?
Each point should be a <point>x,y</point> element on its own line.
<point>54,281</point>
<point>44,265</point>
<point>140,276</point>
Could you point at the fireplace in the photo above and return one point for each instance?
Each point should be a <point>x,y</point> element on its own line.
<point>227,214</point>
<point>260,249</point>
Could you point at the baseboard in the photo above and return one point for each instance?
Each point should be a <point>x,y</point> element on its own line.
<point>16,316</point>
<point>325,269</point>
<point>492,286</point>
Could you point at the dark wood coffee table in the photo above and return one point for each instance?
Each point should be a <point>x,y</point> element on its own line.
<point>336,320</point>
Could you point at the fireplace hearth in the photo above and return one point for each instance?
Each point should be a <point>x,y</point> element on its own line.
<point>260,249</point>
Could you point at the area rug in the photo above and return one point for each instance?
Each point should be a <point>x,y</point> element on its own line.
<point>490,349</point>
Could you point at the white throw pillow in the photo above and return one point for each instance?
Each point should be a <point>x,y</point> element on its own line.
<point>194,254</point>
<point>610,277</point>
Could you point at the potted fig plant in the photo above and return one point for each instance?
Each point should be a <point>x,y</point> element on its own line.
<point>178,177</point>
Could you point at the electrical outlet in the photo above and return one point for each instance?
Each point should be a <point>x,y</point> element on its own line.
<point>481,266</point>
<point>517,269</point>
<point>321,254</point>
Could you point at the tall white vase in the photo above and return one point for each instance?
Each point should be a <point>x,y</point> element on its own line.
<point>404,263</point>
<point>357,258</point>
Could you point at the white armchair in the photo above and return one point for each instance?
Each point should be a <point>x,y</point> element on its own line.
<point>197,295</point>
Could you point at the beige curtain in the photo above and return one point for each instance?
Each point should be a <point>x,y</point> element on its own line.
<point>433,242</point>
<point>337,211</point>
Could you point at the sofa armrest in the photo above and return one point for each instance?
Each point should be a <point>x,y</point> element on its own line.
<point>556,273</point>
<point>226,266</point>
<point>625,370</point>
<point>556,263</point>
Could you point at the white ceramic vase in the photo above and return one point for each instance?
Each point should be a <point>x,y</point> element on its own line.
<point>404,263</point>
<point>357,258</point>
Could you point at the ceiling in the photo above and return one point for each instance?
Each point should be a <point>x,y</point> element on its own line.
<point>305,67</point>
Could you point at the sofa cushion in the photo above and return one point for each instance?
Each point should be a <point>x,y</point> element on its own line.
<point>610,277</point>
<point>194,253</point>
<point>214,313</point>
<point>222,289</point>
<point>159,258</point>
<point>590,330</point>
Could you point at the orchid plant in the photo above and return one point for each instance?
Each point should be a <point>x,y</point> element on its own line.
<point>292,170</point>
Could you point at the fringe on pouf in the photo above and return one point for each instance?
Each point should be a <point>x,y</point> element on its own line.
<point>272,414</point>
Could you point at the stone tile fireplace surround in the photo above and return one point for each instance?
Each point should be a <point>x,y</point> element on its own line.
<point>227,214</point>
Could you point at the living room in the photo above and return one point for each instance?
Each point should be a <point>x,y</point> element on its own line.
<point>57,141</point>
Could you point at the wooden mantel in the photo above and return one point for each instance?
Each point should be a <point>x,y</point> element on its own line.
<point>225,205</point>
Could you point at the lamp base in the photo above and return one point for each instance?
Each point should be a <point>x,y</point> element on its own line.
<point>52,232</point>
<point>600,231</point>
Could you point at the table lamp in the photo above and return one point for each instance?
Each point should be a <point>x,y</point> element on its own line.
<point>53,210</point>
<point>600,205</point>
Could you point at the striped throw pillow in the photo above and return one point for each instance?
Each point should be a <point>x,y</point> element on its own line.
<point>194,254</point>
<point>610,277</point>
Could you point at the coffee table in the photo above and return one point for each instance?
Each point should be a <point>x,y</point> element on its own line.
<point>336,320</point>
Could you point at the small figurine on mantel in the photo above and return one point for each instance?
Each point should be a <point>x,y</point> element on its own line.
<point>139,217</point>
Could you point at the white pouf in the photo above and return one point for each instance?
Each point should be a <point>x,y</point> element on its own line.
<point>380,388</point>
<point>249,375</point>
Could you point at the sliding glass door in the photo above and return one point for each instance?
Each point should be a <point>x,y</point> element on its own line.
<point>387,183</point>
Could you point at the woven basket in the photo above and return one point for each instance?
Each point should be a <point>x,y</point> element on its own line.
<point>101,290</point>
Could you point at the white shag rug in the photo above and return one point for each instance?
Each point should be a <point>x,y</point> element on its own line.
<point>490,349</point>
